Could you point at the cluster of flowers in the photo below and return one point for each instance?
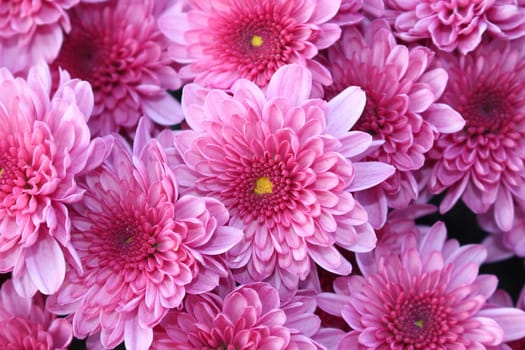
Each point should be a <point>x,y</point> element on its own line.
<point>274,205</point>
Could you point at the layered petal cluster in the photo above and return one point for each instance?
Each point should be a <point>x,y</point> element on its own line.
<point>281,163</point>
<point>118,48</point>
<point>427,295</point>
<point>401,109</point>
<point>142,246</point>
<point>483,164</point>
<point>44,144</point>
<point>32,31</point>
<point>452,24</point>
<point>250,317</point>
<point>26,324</point>
<point>222,41</point>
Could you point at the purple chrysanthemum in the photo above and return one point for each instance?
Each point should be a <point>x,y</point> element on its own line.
<point>118,48</point>
<point>401,109</point>
<point>483,164</point>
<point>425,295</point>
<point>250,317</point>
<point>44,144</point>
<point>280,162</point>
<point>142,247</point>
<point>222,41</point>
<point>456,24</point>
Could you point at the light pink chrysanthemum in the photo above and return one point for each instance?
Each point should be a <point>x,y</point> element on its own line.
<point>501,244</point>
<point>427,296</point>
<point>250,317</point>
<point>279,161</point>
<point>456,24</point>
<point>32,31</point>
<point>44,144</point>
<point>142,247</point>
<point>118,48</point>
<point>222,41</point>
<point>502,298</point>
<point>483,164</point>
<point>401,109</point>
<point>27,325</point>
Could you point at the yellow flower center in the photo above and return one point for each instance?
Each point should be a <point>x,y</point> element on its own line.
<point>257,41</point>
<point>419,323</point>
<point>1,171</point>
<point>263,185</point>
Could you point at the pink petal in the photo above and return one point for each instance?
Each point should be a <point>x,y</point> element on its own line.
<point>291,81</point>
<point>46,265</point>
<point>222,240</point>
<point>164,109</point>
<point>136,337</point>
<point>345,109</point>
<point>511,320</point>
<point>369,174</point>
<point>330,259</point>
<point>504,210</point>
<point>444,118</point>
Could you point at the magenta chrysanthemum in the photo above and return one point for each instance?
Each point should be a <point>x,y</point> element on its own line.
<point>222,41</point>
<point>250,317</point>
<point>118,48</point>
<point>279,161</point>
<point>44,144</point>
<point>142,248</point>
<point>428,295</point>
<point>32,31</point>
<point>456,24</point>
<point>401,109</point>
<point>27,325</point>
<point>483,164</point>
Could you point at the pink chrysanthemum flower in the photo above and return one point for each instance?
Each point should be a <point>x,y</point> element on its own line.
<point>501,244</point>
<point>118,48</point>
<point>27,325</point>
<point>250,317</point>
<point>32,31</point>
<point>401,109</point>
<point>222,41</point>
<point>142,247</point>
<point>502,298</point>
<point>456,24</point>
<point>44,144</point>
<point>483,164</point>
<point>426,296</point>
<point>279,161</point>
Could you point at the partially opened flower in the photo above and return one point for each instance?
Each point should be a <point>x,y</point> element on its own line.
<point>32,31</point>
<point>142,247</point>
<point>44,144</point>
<point>401,109</point>
<point>456,24</point>
<point>118,48</point>
<point>222,41</point>
<point>427,295</point>
<point>483,164</point>
<point>249,317</point>
<point>280,162</point>
<point>26,324</point>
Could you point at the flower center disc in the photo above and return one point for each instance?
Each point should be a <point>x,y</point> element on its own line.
<point>263,185</point>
